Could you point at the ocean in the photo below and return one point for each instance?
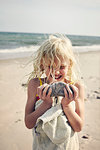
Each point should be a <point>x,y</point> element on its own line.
<point>16,45</point>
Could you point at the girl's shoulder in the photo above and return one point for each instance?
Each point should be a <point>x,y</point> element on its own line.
<point>35,82</point>
<point>32,88</point>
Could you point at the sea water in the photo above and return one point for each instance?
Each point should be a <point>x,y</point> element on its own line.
<point>16,45</point>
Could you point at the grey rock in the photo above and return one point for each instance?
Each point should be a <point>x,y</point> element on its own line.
<point>58,89</point>
<point>98,97</point>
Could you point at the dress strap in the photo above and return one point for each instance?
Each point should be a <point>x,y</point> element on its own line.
<point>40,81</point>
<point>71,82</point>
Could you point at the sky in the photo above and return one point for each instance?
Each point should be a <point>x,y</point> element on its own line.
<point>77,17</point>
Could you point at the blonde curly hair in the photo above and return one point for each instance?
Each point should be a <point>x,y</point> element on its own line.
<point>54,46</point>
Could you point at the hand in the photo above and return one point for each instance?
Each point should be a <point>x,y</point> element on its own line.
<point>69,96</point>
<point>42,93</point>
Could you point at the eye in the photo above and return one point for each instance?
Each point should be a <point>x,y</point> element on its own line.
<point>62,67</point>
<point>49,67</point>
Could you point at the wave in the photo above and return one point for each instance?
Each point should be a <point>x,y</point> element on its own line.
<point>82,49</point>
<point>19,50</point>
<point>28,51</point>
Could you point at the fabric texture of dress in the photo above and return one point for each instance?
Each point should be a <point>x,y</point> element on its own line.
<point>53,131</point>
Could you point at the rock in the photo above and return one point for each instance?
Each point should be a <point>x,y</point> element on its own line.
<point>85,99</point>
<point>98,97</point>
<point>85,137</point>
<point>97,92</point>
<point>88,95</point>
<point>24,84</point>
<point>58,89</point>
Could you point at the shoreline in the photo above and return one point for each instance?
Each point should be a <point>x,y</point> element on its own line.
<point>27,57</point>
<point>14,134</point>
<point>26,54</point>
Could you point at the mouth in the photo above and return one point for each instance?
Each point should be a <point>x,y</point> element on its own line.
<point>56,77</point>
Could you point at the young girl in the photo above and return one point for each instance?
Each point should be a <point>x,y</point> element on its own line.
<point>54,127</point>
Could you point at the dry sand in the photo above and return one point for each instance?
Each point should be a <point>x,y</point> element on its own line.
<point>13,133</point>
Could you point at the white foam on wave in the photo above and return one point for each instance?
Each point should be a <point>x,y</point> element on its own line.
<point>82,49</point>
<point>19,50</point>
<point>28,51</point>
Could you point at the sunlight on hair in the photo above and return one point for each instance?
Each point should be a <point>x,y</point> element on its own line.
<point>55,46</point>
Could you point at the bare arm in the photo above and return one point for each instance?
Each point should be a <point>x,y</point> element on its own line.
<point>75,118</point>
<point>31,115</point>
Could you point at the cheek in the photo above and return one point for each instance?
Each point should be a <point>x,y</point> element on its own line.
<point>47,72</point>
<point>64,72</point>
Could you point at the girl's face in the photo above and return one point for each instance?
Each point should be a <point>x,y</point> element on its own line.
<point>58,71</point>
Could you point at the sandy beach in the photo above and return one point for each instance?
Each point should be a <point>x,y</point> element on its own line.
<point>13,133</point>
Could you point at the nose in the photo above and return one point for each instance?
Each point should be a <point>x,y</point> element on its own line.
<point>56,72</point>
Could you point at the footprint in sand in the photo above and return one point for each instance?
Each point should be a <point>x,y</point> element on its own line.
<point>17,120</point>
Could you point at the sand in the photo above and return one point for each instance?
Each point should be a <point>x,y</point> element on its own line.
<point>13,96</point>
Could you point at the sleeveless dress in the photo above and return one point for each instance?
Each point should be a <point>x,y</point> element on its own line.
<point>53,131</point>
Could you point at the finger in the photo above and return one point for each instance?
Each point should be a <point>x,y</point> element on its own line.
<point>66,93</point>
<point>44,85</point>
<point>49,93</point>
<point>75,90</point>
<point>39,92</point>
<point>70,94</point>
<point>45,90</point>
<point>40,89</point>
<point>53,82</point>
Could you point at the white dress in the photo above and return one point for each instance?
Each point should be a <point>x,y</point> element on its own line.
<point>53,131</point>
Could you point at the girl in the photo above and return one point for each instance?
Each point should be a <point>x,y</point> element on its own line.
<point>54,127</point>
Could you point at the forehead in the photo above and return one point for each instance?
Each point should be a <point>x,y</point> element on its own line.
<point>57,60</point>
